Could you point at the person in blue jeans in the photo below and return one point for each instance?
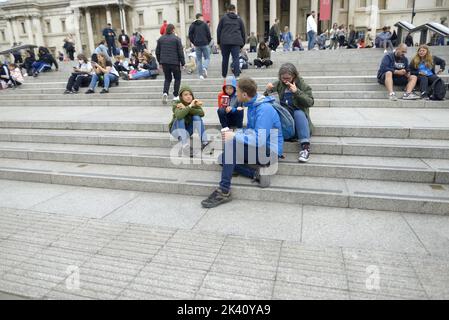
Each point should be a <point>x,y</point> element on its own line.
<point>187,114</point>
<point>199,35</point>
<point>287,38</point>
<point>230,111</point>
<point>296,96</point>
<point>105,69</point>
<point>260,144</point>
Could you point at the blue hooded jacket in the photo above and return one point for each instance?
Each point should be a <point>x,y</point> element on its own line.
<point>230,81</point>
<point>389,63</point>
<point>261,116</point>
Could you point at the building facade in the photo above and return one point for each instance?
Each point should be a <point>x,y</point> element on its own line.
<point>48,22</point>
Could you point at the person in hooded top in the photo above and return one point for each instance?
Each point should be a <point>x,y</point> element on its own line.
<point>260,144</point>
<point>187,114</point>
<point>296,96</point>
<point>230,111</point>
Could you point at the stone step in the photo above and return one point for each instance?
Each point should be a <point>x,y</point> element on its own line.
<point>96,100</point>
<point>384,147</point>
<point>50,80</point>
<point>138,88</point>
<point>102,133</point>
<point>330,166</point>
<point>336,192</point>
<point>125,96</point>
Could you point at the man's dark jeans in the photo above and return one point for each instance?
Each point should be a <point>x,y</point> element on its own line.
<point>242,156</point>
<point>226,51</point>
<point>172,71</point>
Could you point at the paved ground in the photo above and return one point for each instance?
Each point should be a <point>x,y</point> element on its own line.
<point>69,242</point>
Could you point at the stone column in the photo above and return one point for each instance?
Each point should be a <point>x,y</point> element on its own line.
<point>90,33</point>
<point>314,7</point>
<point>124,19</point>
<point>108,15</point>
<point>215,20</point>
<point>76,27</point>
<point>182,21</point>
<point>15,30</point>
<point>12,37</point>
<point>234,2</point>
<point>253,16</point>
<point>39,31</point>
<point>351,11</point>
<point>29,30</point>
<point>198,7</point>
<point>335,12</point>
<point>374,16</point>
<point>293,17</point>
<point>273,13</point>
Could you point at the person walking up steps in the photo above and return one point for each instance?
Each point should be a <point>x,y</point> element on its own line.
<point>170,54</point>
<point>199,35</point>
<point>231,38</point>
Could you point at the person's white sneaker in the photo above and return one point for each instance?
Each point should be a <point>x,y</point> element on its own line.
<point>201,78</point>
<point>385,51</point>
<point>205,73</point>
<point>393,97</point>
<point>164,98</point>
<point>175,98</point>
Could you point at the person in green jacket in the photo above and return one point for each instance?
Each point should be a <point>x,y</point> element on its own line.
<point>187,114</point>
<point>296,96</point>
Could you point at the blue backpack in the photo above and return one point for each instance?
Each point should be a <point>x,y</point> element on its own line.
<point>287,121</point>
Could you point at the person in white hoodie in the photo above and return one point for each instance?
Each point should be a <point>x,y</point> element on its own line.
<point>312,30</point>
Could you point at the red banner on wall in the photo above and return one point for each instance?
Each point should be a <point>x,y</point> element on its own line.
<point>325,10</point>
<point>207,10</point>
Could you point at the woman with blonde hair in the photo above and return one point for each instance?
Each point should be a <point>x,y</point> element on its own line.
<point>423,66</point>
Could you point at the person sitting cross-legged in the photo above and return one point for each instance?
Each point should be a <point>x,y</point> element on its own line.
<point>230,112</point>
<point>81,75</point>
<point>296,96</point>
<point>395,70</point>
<point>187,114</point>
<point>105,70</point>
<point>261,143</point>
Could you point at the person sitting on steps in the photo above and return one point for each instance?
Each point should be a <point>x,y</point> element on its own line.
<point>295,95</point>
<point>395,70</point>
<point>105,70</point>
<point>187,114</point>
<point>230,112</point>
<point>260,144</point>
<point>263,59</point>
<point>81,75</point>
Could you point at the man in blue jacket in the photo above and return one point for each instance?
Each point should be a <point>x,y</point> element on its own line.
<point>231,38</point>
<point>395,70</point>
<point>260,144</point>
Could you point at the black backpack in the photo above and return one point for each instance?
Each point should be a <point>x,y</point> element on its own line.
<point>438,90</point>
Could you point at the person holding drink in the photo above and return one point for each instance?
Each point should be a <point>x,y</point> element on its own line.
<point>230,111</point>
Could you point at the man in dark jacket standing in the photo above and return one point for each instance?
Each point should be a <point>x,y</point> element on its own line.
<point>199,35</point>
<point>170,55</point>
<point>109,35</point>
<point>124,42</point>
<point>231,38</point>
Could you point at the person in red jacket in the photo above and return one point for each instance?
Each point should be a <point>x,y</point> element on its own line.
<point>163,27</point>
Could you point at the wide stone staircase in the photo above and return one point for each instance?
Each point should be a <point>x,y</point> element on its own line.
<point>367,152</point>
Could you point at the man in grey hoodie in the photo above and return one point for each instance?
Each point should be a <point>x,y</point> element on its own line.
<point>231,38</point>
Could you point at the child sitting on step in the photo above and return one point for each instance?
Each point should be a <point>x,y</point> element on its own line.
<point>230,111</point>
<point>187,114</point>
